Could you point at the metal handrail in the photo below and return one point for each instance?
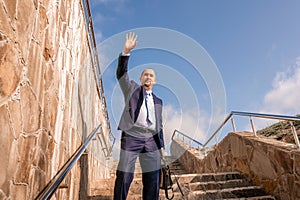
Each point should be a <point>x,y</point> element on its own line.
<point>50,189</point>
<point>259,115</point>
<point>186,136</point>
<point>96,69</point>
<point>250,114</point>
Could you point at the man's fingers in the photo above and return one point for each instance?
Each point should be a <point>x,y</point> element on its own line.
<point>135,38</point>
<point>131,36</point>
<point>131,41</point>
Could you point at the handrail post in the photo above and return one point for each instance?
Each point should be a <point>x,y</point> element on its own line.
<point>217,141</point>
<point>172,138</point>
<point>253,128</point>
<point>295,135</point>
<point>233,125</point>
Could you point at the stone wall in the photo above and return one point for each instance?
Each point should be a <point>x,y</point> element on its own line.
<point>270,163</point>
<point>48,98</point>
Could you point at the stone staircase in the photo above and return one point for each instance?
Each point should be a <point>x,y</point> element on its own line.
<point>228,185</point>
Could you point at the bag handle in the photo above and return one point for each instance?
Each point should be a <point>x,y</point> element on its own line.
<point>176,179</point>
<point>179,187</point>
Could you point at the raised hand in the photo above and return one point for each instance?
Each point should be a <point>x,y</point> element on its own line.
<point>130,43</point>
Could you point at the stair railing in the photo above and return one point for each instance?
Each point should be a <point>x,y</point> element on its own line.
<point>185,137</point>
<point>250,115</point>
<point>52,186</point>
<point>97,70</point>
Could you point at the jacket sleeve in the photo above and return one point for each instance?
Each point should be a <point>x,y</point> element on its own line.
<point>122,66</point>
<point>160,133</point>
<point>161,138</point>
<point>122,74</point>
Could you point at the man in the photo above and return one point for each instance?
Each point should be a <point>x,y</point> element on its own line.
<point>142,131</point>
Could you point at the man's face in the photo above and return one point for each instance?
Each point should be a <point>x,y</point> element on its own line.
<point>148,78</point>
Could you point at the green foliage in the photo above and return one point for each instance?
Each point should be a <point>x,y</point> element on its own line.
<point>281,130</point>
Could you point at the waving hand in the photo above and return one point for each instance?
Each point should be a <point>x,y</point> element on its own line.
<point>130,43</point>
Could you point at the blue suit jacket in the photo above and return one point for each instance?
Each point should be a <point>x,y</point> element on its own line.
<point>134,96</point>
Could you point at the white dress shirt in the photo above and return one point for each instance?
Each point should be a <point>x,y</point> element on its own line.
<point>142,118</point>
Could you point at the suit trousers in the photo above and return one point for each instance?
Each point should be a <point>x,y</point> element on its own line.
<point>134,145</point>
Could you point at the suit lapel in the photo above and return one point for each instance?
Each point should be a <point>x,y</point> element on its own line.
<point>139,96</point>
<point>156,107</point>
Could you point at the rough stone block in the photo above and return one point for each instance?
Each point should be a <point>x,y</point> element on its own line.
<point>20,191</point>
<point>5,148</point>
<point>238,148</point>
<point>283,159</point>
<point>15,114</point>
<point>269,185</point>
<point>50,110</point>
<point>37,182</point>
<point>36,70</point>
<point>242,166</point>
<point>11,8</point>
<point>10,71</point>
<point>26,150</point>
<point>262,164</point>
<point>5,26</point>
<point>296,163</point>
<point>48,76</point>
<point>24,25</point>
<point>39,159</point>
<point>296,191</point>
<point>30,107</point>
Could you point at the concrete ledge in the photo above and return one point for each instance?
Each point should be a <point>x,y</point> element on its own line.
<point>272,164</point>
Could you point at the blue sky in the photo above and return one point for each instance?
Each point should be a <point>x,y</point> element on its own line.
<point>254,45</point>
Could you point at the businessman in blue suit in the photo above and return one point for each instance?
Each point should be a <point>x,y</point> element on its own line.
<point>142,130</point>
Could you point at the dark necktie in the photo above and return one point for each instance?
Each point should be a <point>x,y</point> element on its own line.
<point>149,109</point>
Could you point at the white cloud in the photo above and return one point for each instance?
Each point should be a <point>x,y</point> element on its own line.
<point>190,122</point>
<point>284,97</point>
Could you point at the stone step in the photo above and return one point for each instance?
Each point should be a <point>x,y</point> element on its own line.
<point>209,177</point>
<point>178,196</point>
<point>189,182</point>
<point>243,193</point>
<point>218,185</point>
<point>250,192</point>
<point>266,197</point>
<point>194,182</point>
<point>240,192</point>
<point>226,185</point>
